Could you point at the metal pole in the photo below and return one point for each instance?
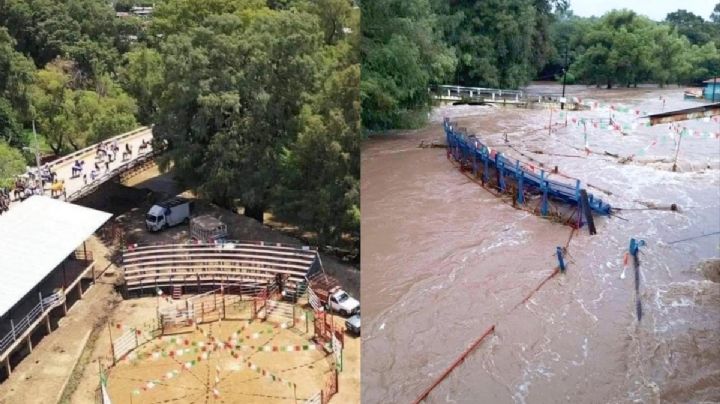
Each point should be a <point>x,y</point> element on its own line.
<point>37,147</point>
<point>714,88</point>
<point>562,104</point>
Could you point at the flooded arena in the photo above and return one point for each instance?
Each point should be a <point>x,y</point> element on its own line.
<point>443,259</point>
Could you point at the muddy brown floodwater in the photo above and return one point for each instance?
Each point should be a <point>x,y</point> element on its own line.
<point>443,259</point>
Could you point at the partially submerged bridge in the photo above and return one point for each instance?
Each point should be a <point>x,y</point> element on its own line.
<point>522,181</point>
<point>481,95</point>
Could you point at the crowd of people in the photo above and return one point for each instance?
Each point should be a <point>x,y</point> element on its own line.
<point>37,181</point>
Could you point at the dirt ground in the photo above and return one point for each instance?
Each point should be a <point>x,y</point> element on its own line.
<point>64,366</point>
<point>200,369</point>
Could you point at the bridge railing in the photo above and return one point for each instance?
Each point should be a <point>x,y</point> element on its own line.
<point>91,148</point>
<point>94,184</point>
<point>494,93</point>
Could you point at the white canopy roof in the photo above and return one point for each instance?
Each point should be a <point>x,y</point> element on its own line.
<point>35,237</point>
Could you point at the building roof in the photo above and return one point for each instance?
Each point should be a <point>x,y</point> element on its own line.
<point>35,237</point>
<point>711,80</point>
<point>702,111</point>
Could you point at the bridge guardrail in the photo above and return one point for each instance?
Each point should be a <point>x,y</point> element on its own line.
<point>80,152</point>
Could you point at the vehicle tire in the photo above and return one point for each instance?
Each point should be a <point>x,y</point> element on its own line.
<point>343,313</point>
<point>186,220</point>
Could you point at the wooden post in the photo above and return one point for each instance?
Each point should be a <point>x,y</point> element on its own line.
<point>7,365</point>
<point>677,150</point>
<point>85,251</point>
<point>29,342</point>
<point>80,287</point>
<point>112,346</point>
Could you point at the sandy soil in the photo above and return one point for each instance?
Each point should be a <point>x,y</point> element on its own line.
<point>235,382</point>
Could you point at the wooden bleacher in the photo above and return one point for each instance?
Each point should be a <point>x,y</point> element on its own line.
<point>199,266</point>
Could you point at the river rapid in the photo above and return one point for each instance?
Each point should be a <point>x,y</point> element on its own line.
<point>443,259</point>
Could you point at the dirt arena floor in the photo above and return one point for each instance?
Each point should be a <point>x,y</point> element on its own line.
<point>223,362</point>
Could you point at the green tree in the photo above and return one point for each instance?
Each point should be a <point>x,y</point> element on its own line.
<point>51,101</point>
<point>85,30</point>
<point>319,187</point>
<point>16,75</point>
<point>715,16</point>
<point>234,89</point>
<point>10,127</point>
<point>12,164</point>
<point>692,26</point>
<point>142,77</point>
<point>70,117</point>
<point>618,50</point>
<point>402,53</point>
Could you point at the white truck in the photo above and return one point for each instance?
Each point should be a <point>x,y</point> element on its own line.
<point>333,297</point>
<point>168,213</point>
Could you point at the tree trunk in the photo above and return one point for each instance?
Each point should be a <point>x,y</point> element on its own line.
<point>255,212</point>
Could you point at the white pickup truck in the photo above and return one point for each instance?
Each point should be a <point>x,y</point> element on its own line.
<point>341,302</point>
<point>330,294</point>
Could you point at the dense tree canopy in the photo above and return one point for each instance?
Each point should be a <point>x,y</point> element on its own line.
<point>498,43</point>
<point>258,100</point>
<point>402,53</point>
<point>259,106</point>
<point>72,117</point>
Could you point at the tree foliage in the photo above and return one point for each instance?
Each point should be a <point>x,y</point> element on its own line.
<point>234,89</point>
<point>402,53</point>
<point>623,48</point>
<point>499,43</point>
<point>72,117</point>
<point>142,77</point>
<point>12,164</point>
<point>693,27</point>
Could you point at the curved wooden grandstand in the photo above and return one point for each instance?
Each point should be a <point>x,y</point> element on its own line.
<point>202,266</point>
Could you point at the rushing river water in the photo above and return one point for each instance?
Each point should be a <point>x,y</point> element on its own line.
<point>443,259</point>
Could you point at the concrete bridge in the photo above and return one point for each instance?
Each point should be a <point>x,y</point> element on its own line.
<point>76,187</point>
<point>453,94</point>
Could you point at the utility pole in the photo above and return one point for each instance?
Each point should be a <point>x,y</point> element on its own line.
<point>37,147</point>
<point>714,87</point>
<point>562,104</point>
